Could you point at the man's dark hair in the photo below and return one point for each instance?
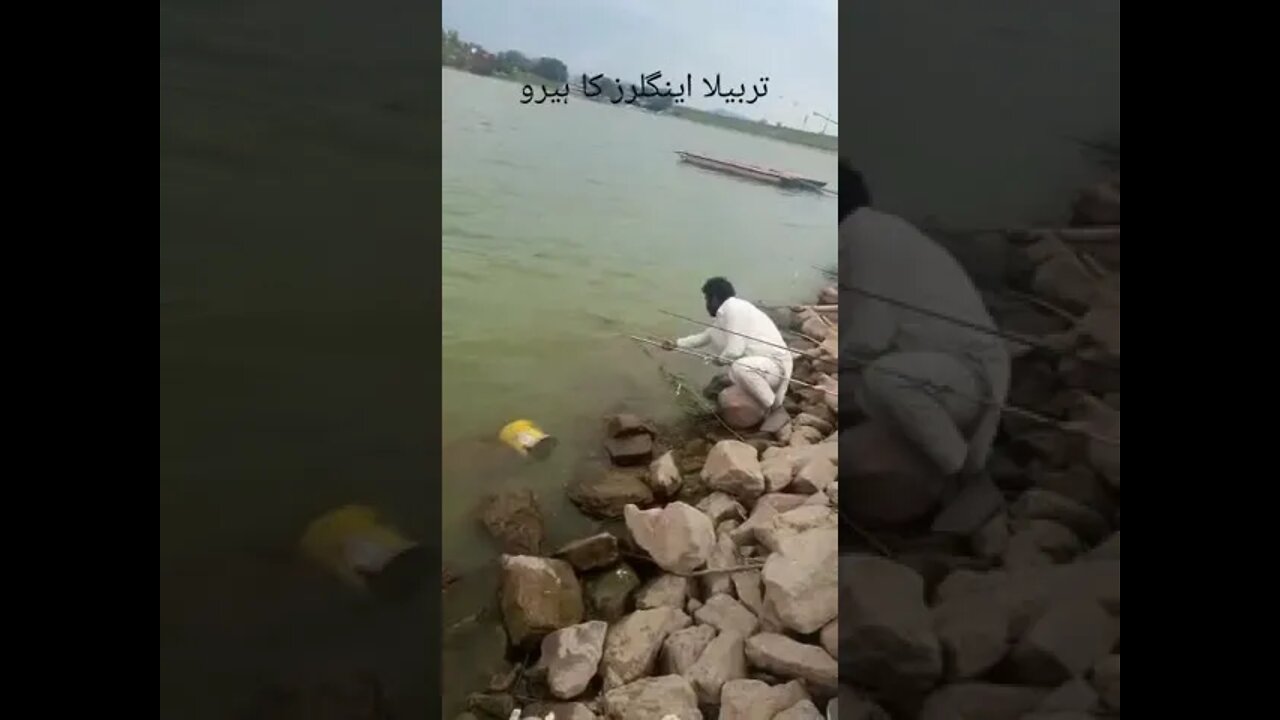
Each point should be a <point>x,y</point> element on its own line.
<point>853,190</point>
<point>718,287</point>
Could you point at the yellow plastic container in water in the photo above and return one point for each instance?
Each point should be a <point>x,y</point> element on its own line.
<point>352,544</point>
<point>527,439</point>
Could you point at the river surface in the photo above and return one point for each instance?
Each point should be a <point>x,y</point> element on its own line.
<point>292,282</point>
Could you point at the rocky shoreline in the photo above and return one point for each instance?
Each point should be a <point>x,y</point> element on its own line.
<point>714,587</point>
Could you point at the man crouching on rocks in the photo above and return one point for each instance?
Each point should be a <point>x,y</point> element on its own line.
<point>746,340</point>
<point>935,383</point>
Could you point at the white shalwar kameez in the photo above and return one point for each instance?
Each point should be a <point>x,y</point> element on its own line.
<point>760,363</point>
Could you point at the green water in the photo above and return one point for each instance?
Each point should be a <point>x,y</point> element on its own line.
<point>564,227</point>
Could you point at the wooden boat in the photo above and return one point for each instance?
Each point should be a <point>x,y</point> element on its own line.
<point>752,172</point>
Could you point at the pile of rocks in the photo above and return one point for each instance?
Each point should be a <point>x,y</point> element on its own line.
<point>1021,620</point>
<point>717,596</point>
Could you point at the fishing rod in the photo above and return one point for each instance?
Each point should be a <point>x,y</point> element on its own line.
<point>929,387</point>
<point>713,358</point>
<point>1003,334</point>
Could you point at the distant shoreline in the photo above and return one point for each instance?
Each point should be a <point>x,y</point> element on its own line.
<point>830,143</point>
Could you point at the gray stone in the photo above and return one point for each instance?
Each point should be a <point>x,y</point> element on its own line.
<point>974,636</point>
<point>590,553</point>
<point>682,648</point>
<point>627,425</point>
<point>1046,537</point>
<point>992,539</point>
<point>633,643</point>
<point>664,476</point>
<point>802,436</point>
<point>609,591</point>
<point>821,424</point>
<point>606,493</point>
<point>738,409</point>
<point>887,640</point>
<point>723,556</point>
<point>784,529</point>
<point>856,706</point>
<point>746,585</point>
<point>721,661</point>
<point>978,501</point>
<point>515,520</point>
<point>539,595</point>
<point>814,476</point>
<point>724,613</point>
<point>784,657</point>
<point>663,591</point>
<point>886,482</point>
<point>630,450</point>
<point>495,705</point>
<point>1108,550</point>
<point>980,701</point>
<point>830,638</point>
<point>1037,504</point>
<point>803,710</point>
<point>571,656</point>
<point>765,508</point>
<point>1075,695</point>
<point>1076,482</point>
<point>1066,640</point>
<point>755,700</point>
<point>678,537</point>
<point>734,467</point>
<point>721,506</point>
<point>569,711</point>
<point>651,699</point>
<point>1106,680</point>
<point>1026,593</point>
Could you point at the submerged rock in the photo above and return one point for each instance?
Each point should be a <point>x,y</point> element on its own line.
<point>539,596</point>
<point>590,553</point>
<point>609,592</point>
<point>515,520</point>
<point>606,492</point>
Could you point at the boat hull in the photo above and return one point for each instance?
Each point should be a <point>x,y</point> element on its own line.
<point>751,172</point>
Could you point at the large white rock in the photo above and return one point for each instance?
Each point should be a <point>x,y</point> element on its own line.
<point>801,581</point>
<point>785,528</point>
<point>721,661</point>
<point>572,656</point>
<point>652,699</point>
<point>678,537</point>
<point>780,655</point>
<point>633,642</point>
<point>734,467</point>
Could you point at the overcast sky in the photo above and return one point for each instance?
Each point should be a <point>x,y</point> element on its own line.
<point>792,43</point>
